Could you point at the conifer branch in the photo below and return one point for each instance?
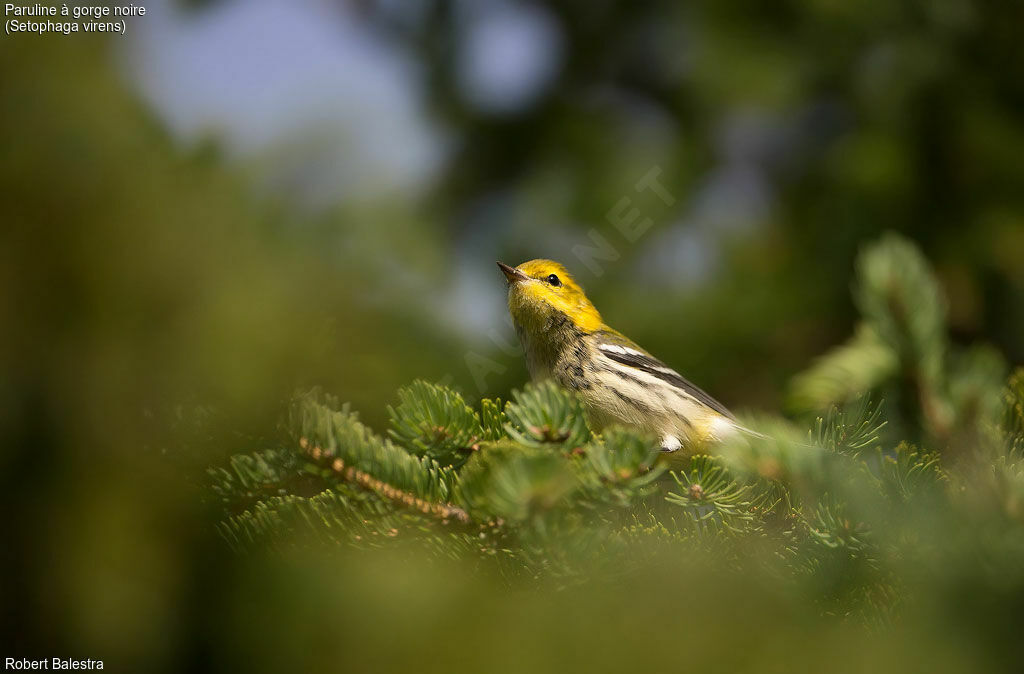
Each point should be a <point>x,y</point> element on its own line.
<point>336,465</point>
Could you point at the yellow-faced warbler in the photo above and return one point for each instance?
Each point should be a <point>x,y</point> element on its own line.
<point>620,383</point>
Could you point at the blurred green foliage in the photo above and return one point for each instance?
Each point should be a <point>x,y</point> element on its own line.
<point>152,307</point>
<point>860,533</point>
<point>157,314</point>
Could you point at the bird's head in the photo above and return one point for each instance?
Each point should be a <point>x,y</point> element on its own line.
<point>539,290</point>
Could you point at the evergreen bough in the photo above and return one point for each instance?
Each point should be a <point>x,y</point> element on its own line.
<point>839,505</point>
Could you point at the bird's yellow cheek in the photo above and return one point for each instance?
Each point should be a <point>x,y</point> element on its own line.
<point>532,303</point>
<point>535,294</point>
<point>582,314</point>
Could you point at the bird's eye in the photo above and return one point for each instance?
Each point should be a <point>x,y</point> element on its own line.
<point>554,280</point>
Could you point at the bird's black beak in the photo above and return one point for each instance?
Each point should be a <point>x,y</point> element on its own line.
<point>512,274</point>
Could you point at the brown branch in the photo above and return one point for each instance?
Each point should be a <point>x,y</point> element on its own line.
<point>444,511</point>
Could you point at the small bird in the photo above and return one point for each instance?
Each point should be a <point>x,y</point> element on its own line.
<point>620,383</point>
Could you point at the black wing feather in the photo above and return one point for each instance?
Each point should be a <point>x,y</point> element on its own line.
<point>655,367</point>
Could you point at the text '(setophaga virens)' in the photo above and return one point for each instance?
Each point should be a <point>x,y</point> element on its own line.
<point>565,339</point>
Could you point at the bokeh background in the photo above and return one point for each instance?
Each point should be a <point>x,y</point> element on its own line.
<point>242,198</point>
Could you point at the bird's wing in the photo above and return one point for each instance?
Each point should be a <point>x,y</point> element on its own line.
<point>621,349</point>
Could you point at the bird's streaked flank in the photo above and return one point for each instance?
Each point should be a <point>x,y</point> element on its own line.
<point>565,338</point>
